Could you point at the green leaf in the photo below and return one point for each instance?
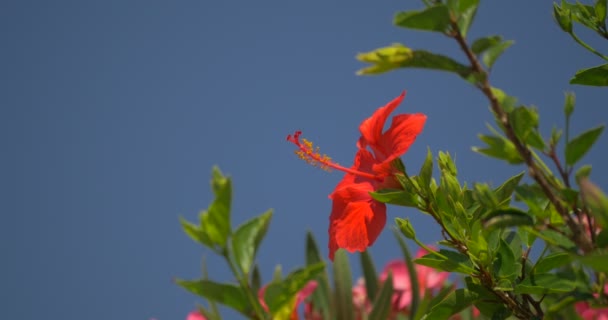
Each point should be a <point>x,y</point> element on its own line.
<point>256,279</point>
<point>597,260</point>
<point>506,265</point>
<point>321,297</point>
<point>194,232</point>
<point>544,283</point>
<point>396,197</point>
<point>583,14</point>
<point>484,43</point>
<point>369,274</point>
<point>596,76</point>
<point>505,218</point>
<point>465,12</point>
<point>525,125</point>
<point>226,294</point>
<point>600,12</point>
<point>563,18</point>
<point>500,148</point>
<point>407,257</point>
<point>382,303</point>
<point>426,172</point>
<point>435,18</point>
<point>505,191</point>
<point>583,172</point>
<point>455,302</point>
<point>578,146</point>
<point>451,261</point>
<point>280,294</point>
<point>246,240</point>
<point>398,56</point>
<point>492,53</point>
<point>343,283</point>
<point>215,223</point>
<point>552,261</point>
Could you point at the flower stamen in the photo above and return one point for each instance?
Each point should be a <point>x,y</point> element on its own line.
<point>312,155</point>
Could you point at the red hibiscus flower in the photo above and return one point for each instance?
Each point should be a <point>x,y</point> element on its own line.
<point>356,219</point>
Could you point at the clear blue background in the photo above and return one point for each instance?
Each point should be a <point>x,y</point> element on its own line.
<point>113,113</point>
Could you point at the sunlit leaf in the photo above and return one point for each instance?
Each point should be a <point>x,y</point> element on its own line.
<point>343,285</point>
<point>596,76</point>
<point>226,294</point>
<point>552,261</point>
<point>482,44</point>
<point>493,52</point>
<point>508,217</point>
<point>281,293</point>
<point>452,304</point>
<point>247,238</point>
<point>579,145</point>
<point>544,283</point>
<point>435,18</point>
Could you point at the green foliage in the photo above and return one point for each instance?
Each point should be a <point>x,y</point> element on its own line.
<point>493,52</point>
<point>226,294</point>
<point>447,260</point>
<point>435,18</point>
<point>280,295</point>
<point>580,145</point>
<point>455,302</point>
<point>382,303</point>
<point>369,274</point>
<point>398,56</point>
<point>246,240</point>
<point>343,285</point>
<point>595,76</point>
<point>465,11</point>
<point>321,297</point>
<point>499,147</point>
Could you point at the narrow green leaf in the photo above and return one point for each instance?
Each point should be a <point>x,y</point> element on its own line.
<point>215,223</point>
<point>492,53</point>
<point>525,125</point>
<point>369,274</point>
<point>482,44</point>
<point>600,12</point>
<point>256,279</point>
<point>226,294</point>
<point>407,257</point>
<point>578,146</point>
<point>506,265</point>
<point>552,261</point>
<point>544,283</point>
<point>195,233</point>
<point>382,302</point>
<point>466,14</point>
<point>281,293</point>
<point>343,285</point>
<point>455,302</point>
<point>435,18</point>
<point>508,217</point>
<point>398,56</point>
<point>596,76</point>
<point>246,240</point>
<point>321,297</point>
<point>451,261</point>
<point>505,191</point>
<point>426,172</point>
<point>500,148</point>
<point>396,197</point>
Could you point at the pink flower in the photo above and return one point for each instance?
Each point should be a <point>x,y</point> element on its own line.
<point>588,313</point>
<point>428,279</point>
<point>195,315</point>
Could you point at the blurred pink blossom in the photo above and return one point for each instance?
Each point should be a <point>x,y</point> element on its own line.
<point>588,313</point>
<point>195,315</point>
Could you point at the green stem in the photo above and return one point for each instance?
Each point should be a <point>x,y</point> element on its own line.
<point>586,46</point>
<point>242,279</point>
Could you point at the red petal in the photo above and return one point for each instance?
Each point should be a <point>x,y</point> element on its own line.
<point>398,138</point>
<point>356,219</point>
<point>371,128</point>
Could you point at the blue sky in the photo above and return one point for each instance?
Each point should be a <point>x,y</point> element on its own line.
<point>113,113</point>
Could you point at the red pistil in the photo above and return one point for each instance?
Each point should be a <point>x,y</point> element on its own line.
<point>307,152</point>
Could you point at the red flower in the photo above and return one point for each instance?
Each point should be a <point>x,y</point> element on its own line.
<point>356,218</point>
